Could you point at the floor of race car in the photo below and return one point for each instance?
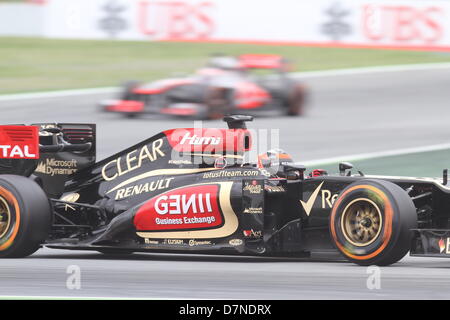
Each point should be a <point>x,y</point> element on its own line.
<point>349,114</point>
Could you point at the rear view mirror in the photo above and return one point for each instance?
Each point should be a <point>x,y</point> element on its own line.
<point>343,166</point>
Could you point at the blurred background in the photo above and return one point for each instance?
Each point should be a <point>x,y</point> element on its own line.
<point>383,118</point>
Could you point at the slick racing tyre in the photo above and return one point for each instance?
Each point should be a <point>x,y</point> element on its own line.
<point>25,216</point>
<point>296,101</point>
<point>371,222</point>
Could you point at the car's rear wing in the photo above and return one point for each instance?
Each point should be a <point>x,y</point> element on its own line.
<point>49,151</point>
<point>19,142</point>
<point>262,61</point>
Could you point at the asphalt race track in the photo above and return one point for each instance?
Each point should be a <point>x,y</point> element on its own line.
<point>348,114</point>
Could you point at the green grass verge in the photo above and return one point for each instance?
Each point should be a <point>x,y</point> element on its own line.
<point>422,164</point>
<point>32,64</point>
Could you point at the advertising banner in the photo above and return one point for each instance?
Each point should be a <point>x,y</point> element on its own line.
<point>405,24</point>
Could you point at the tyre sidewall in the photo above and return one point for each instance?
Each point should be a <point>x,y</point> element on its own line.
<point>31,217</point>
<point>397,212</point>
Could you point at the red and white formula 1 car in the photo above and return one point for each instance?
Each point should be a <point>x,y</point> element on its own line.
<point>246,85</point>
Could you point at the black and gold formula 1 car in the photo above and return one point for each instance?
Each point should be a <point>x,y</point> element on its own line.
<point>190,191</point>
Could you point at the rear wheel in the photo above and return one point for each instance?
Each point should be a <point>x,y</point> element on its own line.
<point>296,101</point>
<point>371,222</point>
<point>25,216</point>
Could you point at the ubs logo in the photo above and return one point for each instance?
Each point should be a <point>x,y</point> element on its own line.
<point>112,24</point>
<point>336,28</point>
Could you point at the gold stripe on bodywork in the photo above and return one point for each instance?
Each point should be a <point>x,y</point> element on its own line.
<point>159,172</point>
<point>229,216</point>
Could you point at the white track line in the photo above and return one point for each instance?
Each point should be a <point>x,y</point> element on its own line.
<point>380,154</point>
<point>300,75</point>
<point>368,70</point>
<point>57,94</point>
<point>75,298</point>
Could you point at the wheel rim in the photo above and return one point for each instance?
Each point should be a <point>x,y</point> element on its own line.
<point>5,217</point>
<point>361,222</point>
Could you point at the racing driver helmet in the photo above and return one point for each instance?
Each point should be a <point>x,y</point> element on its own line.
<point>273,161</point>
<point>224,63</point>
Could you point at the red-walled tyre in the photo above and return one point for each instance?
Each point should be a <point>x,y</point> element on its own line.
<point>25,216</point>
<point>371,222</point>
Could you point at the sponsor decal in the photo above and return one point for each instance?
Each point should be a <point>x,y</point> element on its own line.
<point>444,245</point>
<point>193,243</point>
<point>112,24</point>
<point>225,220</point>
<point>132,160</point>
<point>274,189</point>
<point>236,242</point>
<point>220,163</point>
<point>71,197</point>
<point>16,152</point>
<point>184,220</point>
<point>254,187</point>
<point>264,172</point>
<point>142,188</point>
<point>52,167</point>
<point>177,204</point>
<point>209,141</point>
<point>336,28</point>
<point>328,199</point>
<point>253,210</point>
<point>158,172</point>
<point>195,207</point>
<point>150,241</point>
<point>253,196</point>
<point>403,23</point>
<point>230,173</point>
<point>252,234</point>
<point>174,241</point>
<point>307,206</point>
<point>179,242</point>
<point>19,142</point>
<point>195,140</point>
<point>178,162</point>
<point>176,19</point>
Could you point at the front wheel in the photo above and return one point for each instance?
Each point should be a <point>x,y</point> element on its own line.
<point>25,216</point>
<point>371,222</point>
